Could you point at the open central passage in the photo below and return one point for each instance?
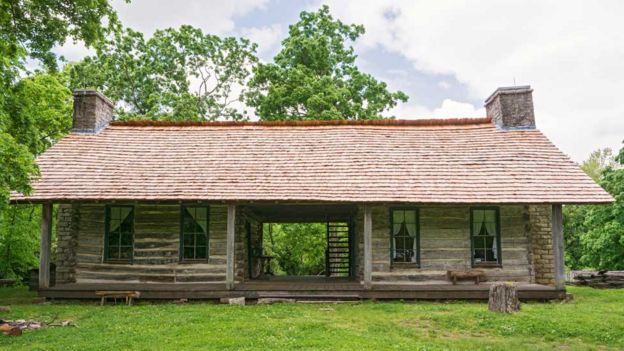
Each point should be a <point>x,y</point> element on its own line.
<point>301,241</point>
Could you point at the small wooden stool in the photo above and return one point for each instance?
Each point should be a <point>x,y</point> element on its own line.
<point>477,275</point>
<point>128,295</point>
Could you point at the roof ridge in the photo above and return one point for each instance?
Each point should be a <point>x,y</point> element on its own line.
<point>308,123</point>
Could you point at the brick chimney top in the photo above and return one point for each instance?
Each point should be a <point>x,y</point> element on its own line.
<point>92,111</point>
<point>511,108</point>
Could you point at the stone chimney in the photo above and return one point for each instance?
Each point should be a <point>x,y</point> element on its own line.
<point>511,108</point>
<point>92,111</point>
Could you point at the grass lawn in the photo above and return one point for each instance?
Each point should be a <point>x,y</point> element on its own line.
<point>594,320</point>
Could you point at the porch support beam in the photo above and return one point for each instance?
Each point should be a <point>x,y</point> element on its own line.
<point>46,244</point>
<point>231,227</point>
<point>558,246</point>
<point>368,247</point>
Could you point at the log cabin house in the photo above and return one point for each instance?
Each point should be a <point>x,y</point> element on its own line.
<point>175,210</point>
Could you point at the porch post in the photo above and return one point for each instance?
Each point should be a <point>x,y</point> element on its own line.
<point>368,247</point>
<point>558,249</point>
<point>46,243</point>
<point>231,226</point>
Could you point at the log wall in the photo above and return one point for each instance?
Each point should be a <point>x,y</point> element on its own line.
<point>156,247</point>
<point>445,245</point>
<point>444,240</point>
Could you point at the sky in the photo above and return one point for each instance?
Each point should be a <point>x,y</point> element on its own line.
<point>448,56</point>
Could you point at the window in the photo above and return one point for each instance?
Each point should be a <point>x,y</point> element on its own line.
<point>194,236</point>
<point>405,236</point>
<point>119,233</point>
<point>485,236</point>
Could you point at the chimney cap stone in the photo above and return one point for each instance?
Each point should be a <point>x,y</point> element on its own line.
<point>93,92</point>
<point>508,90</point>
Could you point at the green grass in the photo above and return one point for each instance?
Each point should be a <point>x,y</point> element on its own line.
<point>594,320</point>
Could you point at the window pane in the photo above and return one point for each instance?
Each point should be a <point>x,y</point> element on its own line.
<point>200,240</point>
<point>113,252</point>
<point>195,232</point>
<point>120,232</point>
<point>489,254</point>
<point>113,225</point>
<point>126,225</point>
<point>201,252</point>
<point>188,252</point>
<point>410,217</point>
<point>188,240</point>
<point>411,229</point>
<point>398,216</point>
<point>201,213</point>
<point>126,239</point>
<point>113,238</point>
<point>409,243</point>
<point>490,216</point>
<point>479,255</point>
<point>489,242</point>
<point>126,253</point>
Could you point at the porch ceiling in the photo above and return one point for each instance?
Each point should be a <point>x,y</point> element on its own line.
<point>301,213</point>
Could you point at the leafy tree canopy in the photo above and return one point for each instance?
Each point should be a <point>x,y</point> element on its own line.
<point>177,74</point>
<point>299,249</point>
<point>35,108</point>
<point>314,76</point>
<point>595,234</point>
<point>34,27</point>
<point>598,162</point>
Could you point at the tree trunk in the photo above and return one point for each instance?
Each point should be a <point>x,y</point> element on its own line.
<point>504,298</point>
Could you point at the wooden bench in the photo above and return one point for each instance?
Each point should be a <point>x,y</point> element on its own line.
<point>477,275</point>
<point>128,295</point>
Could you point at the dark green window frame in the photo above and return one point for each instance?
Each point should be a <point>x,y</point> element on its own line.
<point>119,241</point>
<point>192,247</point>
<point>482,252</point>
<point>405,257</point>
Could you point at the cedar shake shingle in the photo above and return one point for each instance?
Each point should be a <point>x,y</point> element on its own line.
<point>393,163</point>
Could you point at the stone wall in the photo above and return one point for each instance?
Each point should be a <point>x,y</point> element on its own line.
<point>540,224</point>
<point>66,232</point>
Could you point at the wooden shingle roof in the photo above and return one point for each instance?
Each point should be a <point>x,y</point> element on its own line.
<point>451,161</point>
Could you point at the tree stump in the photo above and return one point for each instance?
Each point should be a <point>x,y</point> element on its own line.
<point>503,298</point>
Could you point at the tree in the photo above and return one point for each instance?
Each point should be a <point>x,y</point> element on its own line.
<point>30,29</point>
<point>314,76</point>
<point>603,242</point>
<point>35,107</point>
<point>299,249</point>
<point>598,162</point>
<point>177,74</point>
<point>33,27</point>
<point>576,225</point>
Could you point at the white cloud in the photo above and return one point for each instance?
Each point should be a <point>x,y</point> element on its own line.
<point>444,84</point>
<point>570,52</point>
<point>215,17</point>
<point>448,109</point>
<point>268,39</point>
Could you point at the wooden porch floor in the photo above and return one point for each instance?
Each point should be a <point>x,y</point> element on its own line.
<point>321,289</point>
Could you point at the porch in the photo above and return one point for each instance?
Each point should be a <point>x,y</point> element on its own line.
<point>314,289</point>
<point>443,242</point>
